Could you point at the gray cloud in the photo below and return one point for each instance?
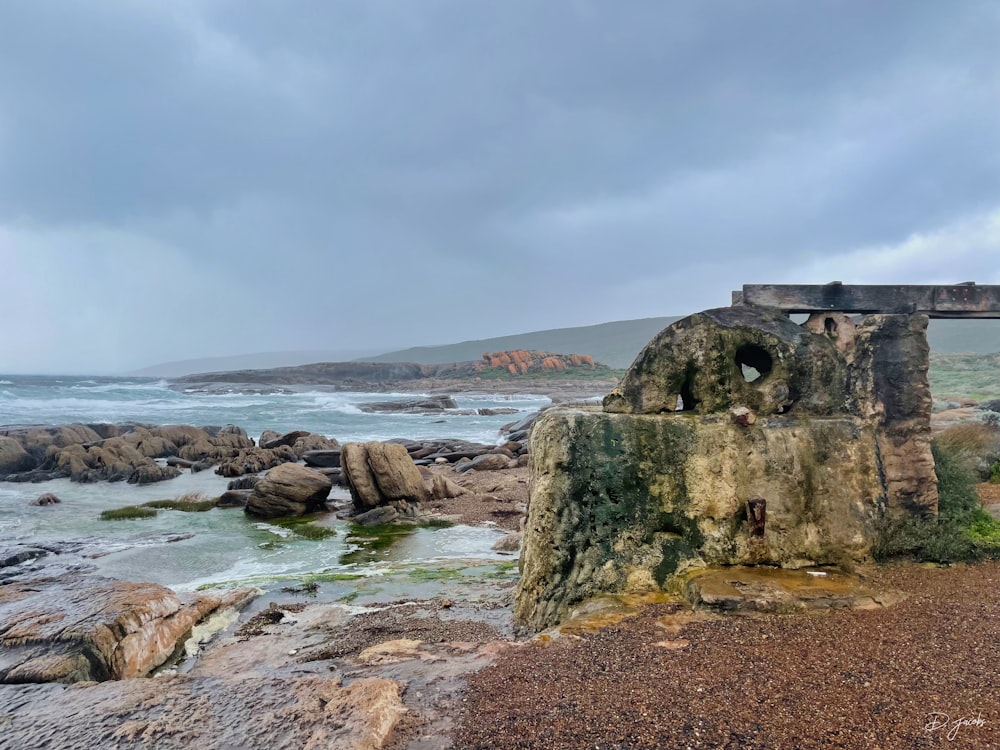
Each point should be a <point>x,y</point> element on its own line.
<point>196,178</point>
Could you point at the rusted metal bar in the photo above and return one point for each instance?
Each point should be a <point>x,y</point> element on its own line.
<point>954,301</point>
<point>756,516</point>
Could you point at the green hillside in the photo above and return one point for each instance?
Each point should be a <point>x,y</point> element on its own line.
<point>613,344</point>
<point>616,344</point>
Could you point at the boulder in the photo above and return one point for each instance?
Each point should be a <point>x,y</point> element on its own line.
<point>377,516</point>
<point>509,543</point>
<point>486,462</point>
<point>234,499</point>
<point>289,490</point>
<point>287,439</point>
<point>381,473</point>
<point>46,498</point>
<point>424,405</point>
<point>395,473</point>
<point>443,488</point>
<point>312,442</point>
<point>326,459</point>
<point>13,457</point>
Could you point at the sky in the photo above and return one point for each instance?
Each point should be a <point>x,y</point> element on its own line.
<point>201,178</point>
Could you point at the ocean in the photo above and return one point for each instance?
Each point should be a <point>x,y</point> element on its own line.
<point>223,547</point>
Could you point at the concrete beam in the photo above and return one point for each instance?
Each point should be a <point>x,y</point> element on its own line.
<point>954,301</point>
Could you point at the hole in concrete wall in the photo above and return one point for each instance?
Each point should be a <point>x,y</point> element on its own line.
<point>686,400</point>
<point>754,362</point>
<point>830,326</point>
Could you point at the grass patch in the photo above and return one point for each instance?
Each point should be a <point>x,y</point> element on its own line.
<point>186,506</point>
<point>127,513</point>
<point>962,532</point>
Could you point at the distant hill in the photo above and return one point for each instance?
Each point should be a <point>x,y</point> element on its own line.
<point>613,344</point>
<point>616,344</point>
<point>259,361</point>
<point>964,336</point>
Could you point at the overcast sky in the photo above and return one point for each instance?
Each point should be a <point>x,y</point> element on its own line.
<point>200,178</point>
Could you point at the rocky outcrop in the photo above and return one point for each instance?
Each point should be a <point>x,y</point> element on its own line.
<point>737,437</point>
<point>13,457</point>
<point>127,452</point>
<point>289,490</point>
<point>380,474</point>
<point>426,405</point>
<point>255,460</point>
<point>87,628</point>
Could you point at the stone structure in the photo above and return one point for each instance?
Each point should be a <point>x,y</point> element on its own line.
<point>736,437</point>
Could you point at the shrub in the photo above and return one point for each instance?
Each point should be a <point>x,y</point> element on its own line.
<point>962,532</point>
<point>974,443</point>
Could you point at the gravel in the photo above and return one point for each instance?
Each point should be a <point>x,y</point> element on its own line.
<point>845,679</point>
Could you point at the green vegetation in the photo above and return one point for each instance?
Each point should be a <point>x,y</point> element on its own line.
<point>193,502</point>
<point>127,513</point>
<point>965,376</point>
<point>423,575</point>
<point>184,505</point>
<point>372,541</point>
<point>304,527</point>
<point>962,532</point>
<point>326,577</point>
<point>976,445</point>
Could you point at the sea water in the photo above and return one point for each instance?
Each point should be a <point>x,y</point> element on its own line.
<point>223,546</point>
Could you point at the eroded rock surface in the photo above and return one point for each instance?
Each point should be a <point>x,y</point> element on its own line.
<point>86,628</point>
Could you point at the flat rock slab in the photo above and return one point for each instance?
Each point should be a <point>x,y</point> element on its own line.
<point>89,628</point>
<point>761,589</point>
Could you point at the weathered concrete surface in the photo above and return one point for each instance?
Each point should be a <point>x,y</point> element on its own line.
<point>621,502</point>
<point>699,360</point>
<point>737,437</point>
<point>889,385</point>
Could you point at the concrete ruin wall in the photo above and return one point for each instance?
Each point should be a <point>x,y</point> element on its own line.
<point>736,437</point>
